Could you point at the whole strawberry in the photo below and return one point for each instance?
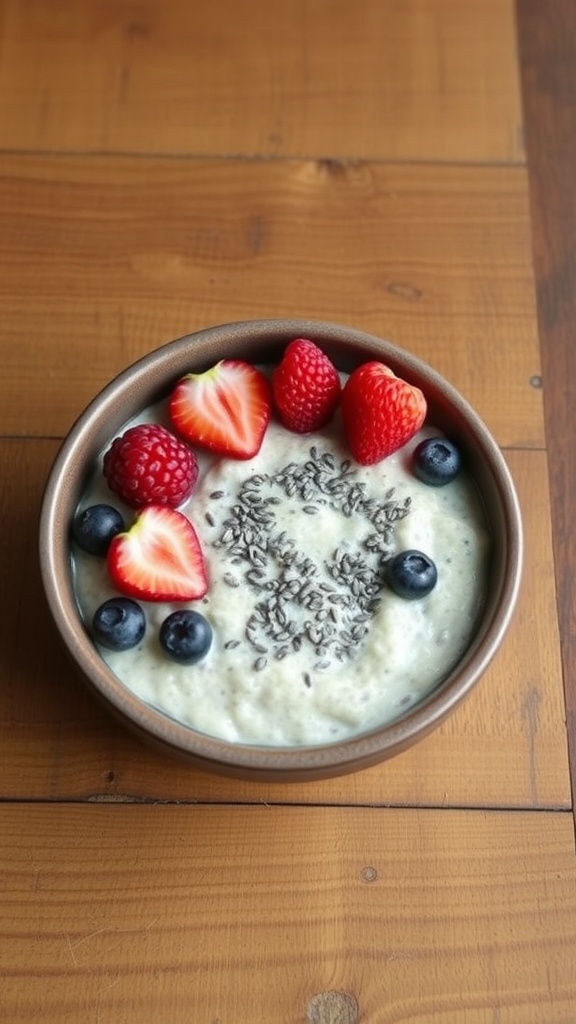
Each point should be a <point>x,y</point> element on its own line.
<point>380,412</point>
<point>305,386</point>
<point>148,465</point>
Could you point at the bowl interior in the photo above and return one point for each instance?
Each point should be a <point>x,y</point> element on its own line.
<point>149,380</point>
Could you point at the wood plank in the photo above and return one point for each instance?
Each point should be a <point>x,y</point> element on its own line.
<point>286,914</point>
<point>375,79</point>
<point>548,54</point>
<point>104,259</point>
<point>505,747</point>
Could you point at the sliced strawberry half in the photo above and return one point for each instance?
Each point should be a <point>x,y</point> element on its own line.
<point>159,558</point>
<point>226,409</point>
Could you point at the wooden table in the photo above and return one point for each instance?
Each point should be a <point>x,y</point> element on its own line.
<point>169,165</point>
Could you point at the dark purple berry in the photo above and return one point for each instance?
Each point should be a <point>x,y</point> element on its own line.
<point>411,574</point>
<point>94,527</point>
<point>186,636</point>
<point>119,624</point>
<point>436,461</point>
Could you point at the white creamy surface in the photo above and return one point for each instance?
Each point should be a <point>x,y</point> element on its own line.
<point>290,663</point>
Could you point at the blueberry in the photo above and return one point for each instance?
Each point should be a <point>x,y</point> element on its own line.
<point>185,636</point>
<point>411,575</point>
<point>94,527</point>
<point>436,461</point>
<point>119,624</point>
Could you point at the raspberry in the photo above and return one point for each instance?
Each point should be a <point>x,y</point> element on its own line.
<point>306,387</point>
<point>148,465</point>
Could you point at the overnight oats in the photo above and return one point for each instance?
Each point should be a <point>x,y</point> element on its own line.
<point>286,557</point>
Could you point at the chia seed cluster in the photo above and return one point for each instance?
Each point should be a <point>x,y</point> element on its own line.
<point>297,601</point>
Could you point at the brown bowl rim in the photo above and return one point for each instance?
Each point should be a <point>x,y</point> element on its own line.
<point>136,387</point>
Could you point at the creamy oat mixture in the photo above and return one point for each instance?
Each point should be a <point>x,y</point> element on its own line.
<point>309,647</point>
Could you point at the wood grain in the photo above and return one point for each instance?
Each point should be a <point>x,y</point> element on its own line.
<point>103,259</point>
<point>254,915</point>
<point>505,747</point>
<point>548,49</point>
<point>375,79</point>
<point>165,166</point>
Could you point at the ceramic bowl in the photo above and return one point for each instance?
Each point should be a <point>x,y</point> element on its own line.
<point>262,341</point>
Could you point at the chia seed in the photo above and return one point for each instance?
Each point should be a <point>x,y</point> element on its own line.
<point>301,607</point>
<point>231,580</point>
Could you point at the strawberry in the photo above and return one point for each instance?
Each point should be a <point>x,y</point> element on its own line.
<point>158,558</point>
<point>305,386</point>
<point>380,412</point>
<point>226,409</point>
<point>147,465</point>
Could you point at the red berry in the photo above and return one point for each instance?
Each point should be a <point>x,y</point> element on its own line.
<point>148,465</point>
<point>159,558</point>
<point>226,409</point>
<point>306,387</point>
<point>380,412</point>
